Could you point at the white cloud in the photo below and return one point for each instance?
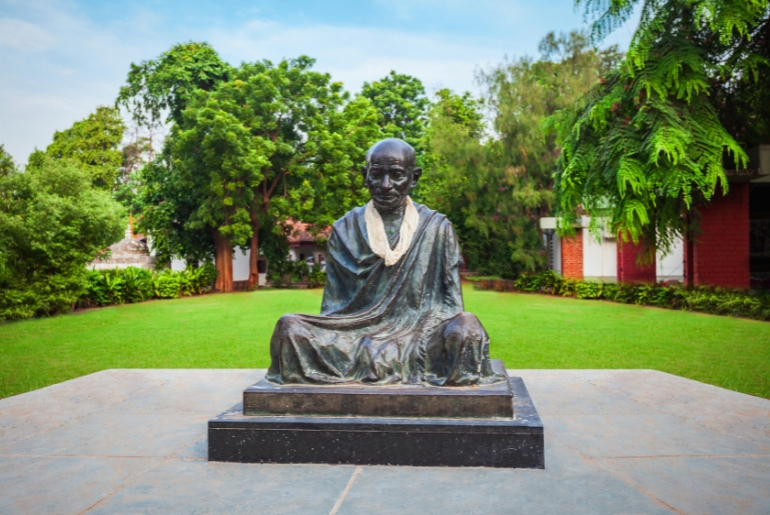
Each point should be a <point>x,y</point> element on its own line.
<point>354,55</point>
<point>81,68</point>
<point>23,35</point>
<point>58,64</point>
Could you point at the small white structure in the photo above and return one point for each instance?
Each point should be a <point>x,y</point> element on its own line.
<point>129,252</point>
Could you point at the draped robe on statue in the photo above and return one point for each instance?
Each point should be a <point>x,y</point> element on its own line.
<point>381,324</point>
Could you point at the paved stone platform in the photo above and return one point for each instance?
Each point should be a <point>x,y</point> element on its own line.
<point>617,441</point>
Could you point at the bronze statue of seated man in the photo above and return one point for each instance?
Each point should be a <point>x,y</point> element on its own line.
<point>392,308</point>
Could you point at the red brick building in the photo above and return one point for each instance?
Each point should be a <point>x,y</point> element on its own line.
<point>732,248</point>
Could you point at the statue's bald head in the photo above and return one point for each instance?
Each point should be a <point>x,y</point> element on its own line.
<point>390,173</point>
<point>392,147</point>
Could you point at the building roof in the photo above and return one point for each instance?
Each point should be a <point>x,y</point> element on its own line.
<point>301,232</point>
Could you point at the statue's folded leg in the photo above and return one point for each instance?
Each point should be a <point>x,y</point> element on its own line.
<point>300,354</point>
<point>458,353</point>
<point>287,345</point>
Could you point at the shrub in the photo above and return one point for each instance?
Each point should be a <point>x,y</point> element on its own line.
<point>52,223</point>
<point>316,277</point>
<point>167,284</point>
<point>588,290</point>
<point>285,273</point>
<point>127,285</point>
<point>718,301</point>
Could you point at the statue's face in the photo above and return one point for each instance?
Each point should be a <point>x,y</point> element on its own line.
<point>389,178</point>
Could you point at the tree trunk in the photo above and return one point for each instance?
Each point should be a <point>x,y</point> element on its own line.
<point>224,262</point>
<point>253,269</point>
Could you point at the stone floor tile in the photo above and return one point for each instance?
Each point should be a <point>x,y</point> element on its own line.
<point>41,410</point>
<point>564,374</point>
<point>611,436</point>
<point>580,397</point>
<point>701,486</point>
<point>592,418</point>
<point>247,375</point>
<point>198,449</point>
<point>63,485</point>
<point>195,487</point>
<point>731,412</point>
<point>115,434</point>
<point>190,395</point>
<point>569,484</point>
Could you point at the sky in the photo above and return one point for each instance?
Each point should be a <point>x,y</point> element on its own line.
<point>60,59</point>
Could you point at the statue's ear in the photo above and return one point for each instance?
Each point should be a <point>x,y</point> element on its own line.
<point>364,170</point>
<point>416,174</point>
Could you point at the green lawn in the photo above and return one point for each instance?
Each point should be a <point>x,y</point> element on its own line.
<point>527,331</point>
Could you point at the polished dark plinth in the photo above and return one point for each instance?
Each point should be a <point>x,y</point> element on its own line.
<point>495,400</point>
<point>515,441</point>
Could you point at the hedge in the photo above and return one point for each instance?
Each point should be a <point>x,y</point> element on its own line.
<point>127,285</point>
<point>714,300</point>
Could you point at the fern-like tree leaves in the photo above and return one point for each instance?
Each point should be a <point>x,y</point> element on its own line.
<point>646,146</point>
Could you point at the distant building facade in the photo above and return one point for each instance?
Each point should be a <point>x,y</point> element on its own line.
<point>732,249</point>
<point>303,244</point>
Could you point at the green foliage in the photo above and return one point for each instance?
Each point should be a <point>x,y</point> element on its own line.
<point>268,142</point>
<point>135,156</point>
<point>167,285</point>
<point>401,102</point>
<point>741,101</point>
<point>316,277</point>
<point>494,189</point>
<point>94,143</point>
<point>645,146</point>
<point>129,285</point>
<point>168,207</point>
<point>283,274</point>
<point>276,141</point>
<point>52,222</point>
<point>153,88</point>
<point>167,84</point>
<point>717,301</point>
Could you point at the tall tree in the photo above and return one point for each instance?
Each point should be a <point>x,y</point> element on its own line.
<point>136,154</point>
<point>52,223</point>
<point>400,99</point>
<point>165,85</point>
<point>496,186</point>
<point>168,204</point>
<point>742,102</point>
<point>94,142</point>
<point>645,146</point>
<point>274,141</point>
<point>158,91</point>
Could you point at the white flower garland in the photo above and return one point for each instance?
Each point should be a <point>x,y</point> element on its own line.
<point>378,239</point>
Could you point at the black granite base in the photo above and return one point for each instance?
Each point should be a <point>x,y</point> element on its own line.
<point>511,442</point>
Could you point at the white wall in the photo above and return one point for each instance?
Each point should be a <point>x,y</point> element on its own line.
<point>556,242</point>
<point>671,266</point>
<point>307,250</point>
<point>600,256</point>
<point>241,264</point>
<point>600,259</point>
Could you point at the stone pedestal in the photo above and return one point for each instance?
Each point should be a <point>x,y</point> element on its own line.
<point>489,426</point>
